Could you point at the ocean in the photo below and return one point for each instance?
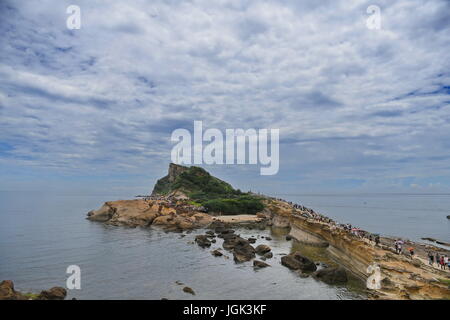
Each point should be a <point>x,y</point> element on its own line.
<point>42,234</point>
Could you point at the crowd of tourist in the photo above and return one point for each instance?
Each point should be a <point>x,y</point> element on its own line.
<point>441,260</point>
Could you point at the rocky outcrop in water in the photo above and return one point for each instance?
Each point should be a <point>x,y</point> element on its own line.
<point>7,292</point>
<point>336,275</point>
<point>296,261</point>
<point>262,249</point>
<point>167,213</point>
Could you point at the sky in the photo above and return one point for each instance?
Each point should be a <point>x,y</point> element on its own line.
<point>358,109</point>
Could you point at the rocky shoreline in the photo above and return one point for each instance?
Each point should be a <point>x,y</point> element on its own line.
<point>401,277</point>
<point>8,292</point>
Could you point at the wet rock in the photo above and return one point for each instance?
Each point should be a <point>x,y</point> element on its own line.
<point>210,233</point>
<point>216,253</point>
<point>55,293</point>
<point>251,240</point>
<point>303,275</point>
<point>268,255</point>
<point>295,261</point>
<point>268,238</point>
<point>448,217</point>
<point>189,290</point>
<point>7,291</point>
<point>332,275</point>
<point>262,249</point>
<point>259,264</point>
<point>288,238</point>
<point>202,241</point>
<point>243,251</point>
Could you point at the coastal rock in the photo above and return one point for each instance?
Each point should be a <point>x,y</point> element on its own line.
<point>189,290</point>
<point>262,249</point>
<point>7,291</point>
<point>448,217</point>
<point>288,238</point>
<point>296,261</point>
<point>243,251</point>
<point>202,241</point>
<point>55,293</point>
<point>332,275</point>
<point>216,253</point>
<point>259,264</point>
<point>268,255</point>
<point>251,240</point>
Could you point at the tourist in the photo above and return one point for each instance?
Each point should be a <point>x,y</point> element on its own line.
<point>430,258</point>
<point>377,240</point>
<point>442,263</point>
<point>438,259</point>
<point>411,251</point>
<point>445,261</point>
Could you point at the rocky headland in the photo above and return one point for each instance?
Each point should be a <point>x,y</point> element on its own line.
<point>190,198</point>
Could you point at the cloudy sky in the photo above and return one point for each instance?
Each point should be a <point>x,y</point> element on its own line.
<point>92,110</point>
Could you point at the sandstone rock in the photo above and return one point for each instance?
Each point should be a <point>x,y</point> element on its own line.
<point>262,249</point>
<point>7,291</point>
<point>332,275</point>
<point>268,255</point>
<point>296,261</point>
<point>202,241</point>
<point>55,293</point>
<point>189,290</point>
<point>102,215</point>
<point>251,240</point>
<point>259,264</point>
<point>216,253</point>
<point>243,251</point>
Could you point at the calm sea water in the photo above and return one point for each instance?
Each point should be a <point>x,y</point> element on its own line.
<point>40,235</point>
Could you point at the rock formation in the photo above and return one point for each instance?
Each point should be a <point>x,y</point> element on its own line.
<point>296,261</point>
<point>332,275</point>
<point>7,292</point>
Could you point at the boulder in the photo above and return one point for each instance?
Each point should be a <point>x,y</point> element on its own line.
<point>262,249</point>
<point>268,255</point>
<point>251,240</point>
<point>7,291</point>
<point>296,261</point>
<point>189,290</point>
<point>332,275</point>
<point>288,238</point>
<point>55,293</point>
<point>448,217</point>
<point>243,251</point>
<point>259,264</point>
<point>216,253</point>
<point>202,241</point>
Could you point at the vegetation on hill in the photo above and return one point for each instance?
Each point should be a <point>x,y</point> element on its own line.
<point>212,193</point>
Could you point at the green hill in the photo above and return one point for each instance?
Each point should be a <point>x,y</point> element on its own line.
<point>204,189</point>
